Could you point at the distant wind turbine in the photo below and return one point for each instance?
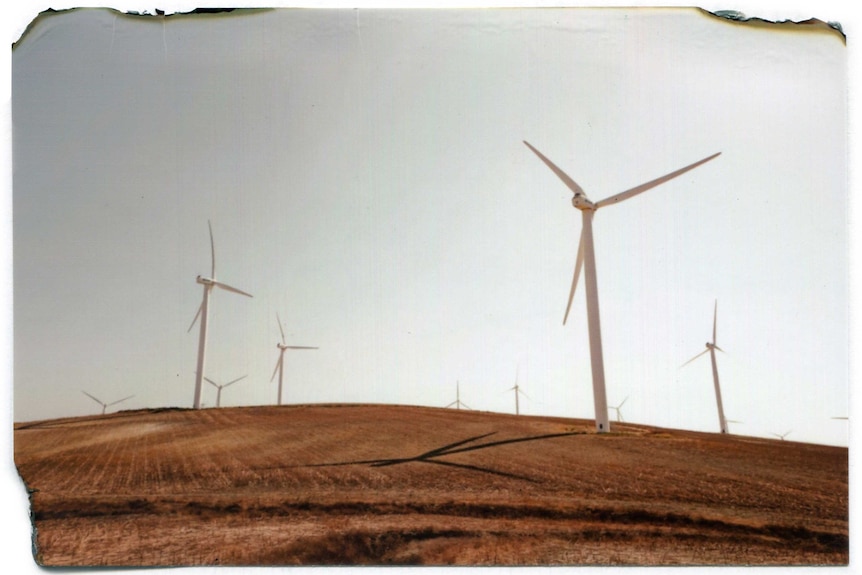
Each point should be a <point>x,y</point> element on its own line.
<point>617,408</point>
<point>203,314</point>
<point>517,390</point>
<point>711,347</point>
<point>104,405</point>
<point>586,257</point>
<point>279,366</point>
<point>782,435</point>
<point>221,387</point>
<point>458,403</point>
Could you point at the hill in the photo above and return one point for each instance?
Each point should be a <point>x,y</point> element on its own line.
<point>384,484</point>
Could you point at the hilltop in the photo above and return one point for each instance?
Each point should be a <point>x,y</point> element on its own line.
<point>386,484</point>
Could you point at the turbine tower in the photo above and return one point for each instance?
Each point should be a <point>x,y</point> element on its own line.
<point>711,347</point>
<point>104,405</point>
<point>279,366</point>
<point>586,258</point>
<point>221,387</point>
<point>458,403</point>
<point>617,408</point>
<point>517,391</point>
<point>203,314</point>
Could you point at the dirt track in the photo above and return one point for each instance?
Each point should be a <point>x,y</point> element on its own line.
<point>366,484</point>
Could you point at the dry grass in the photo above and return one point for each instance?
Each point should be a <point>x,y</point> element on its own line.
<point>365,484</point>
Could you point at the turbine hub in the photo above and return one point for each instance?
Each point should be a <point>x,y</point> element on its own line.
<point>581,202</point>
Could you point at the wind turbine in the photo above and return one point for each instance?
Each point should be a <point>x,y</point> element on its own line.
<point>618,407</point>
<point>458,403</point>
<point>711,347</point>
<point>221,387</point>
<point>203,314</point>
<point>587,258</point>
<point>104,405</point>
<point>781,436</point>
<point>279,367</point>
<point>517,390</point>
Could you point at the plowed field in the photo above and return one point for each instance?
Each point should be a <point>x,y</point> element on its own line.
<point>372,484</point>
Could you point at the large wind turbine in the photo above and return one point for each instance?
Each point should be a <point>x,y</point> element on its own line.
<point>458,403</point>
<point>279,367</point>
<point>587,258</point>
<point>711,347</point>
<point>103,404</point>
<point>222,386</point>
<point>203,314</point>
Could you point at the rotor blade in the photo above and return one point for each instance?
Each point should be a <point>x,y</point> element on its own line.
<point>280,328</point>
<point>465,405</point>
<point>229,288</point>
<point>277,365</point>
<point>623,403</point>
<point>236,380</point>
<point>524,394</point>
<point>719,349</point>
<point>570,183</point>
<point>91,397</point>
<point>211,381</point>
<point>121,400</point>
<point>579,262</point>
<point>197,315</point>
<point>299,347</point>
<point>450,405</point>
<point>212,248</point>
<point>694,358</point>
<point>714,322</point>
<point>651,184</point>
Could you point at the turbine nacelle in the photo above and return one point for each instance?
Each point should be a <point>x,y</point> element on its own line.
<point>205,281</point>
<point>581,202</point>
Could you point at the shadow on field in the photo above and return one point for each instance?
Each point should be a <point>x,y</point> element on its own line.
<point>452,448</point>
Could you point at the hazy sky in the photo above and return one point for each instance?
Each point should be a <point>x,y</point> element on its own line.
<point>366,179</point>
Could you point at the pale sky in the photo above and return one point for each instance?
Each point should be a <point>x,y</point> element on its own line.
<point>365,177</point>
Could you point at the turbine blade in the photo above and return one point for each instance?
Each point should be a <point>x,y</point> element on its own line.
<point>121,400</point>
<point>236,380</point>
<point>719,349</point>
<point>465,405</point>
<point>197,315</point>
<point>300,347</point>
<point>450,405</point>
<point>277,365</point>
<point>280,329</point>
<point>714,322</point>
<point>694,358</point>
<point>522,393</point>
<point>212,248</point>
<point>229,288</point>
<point>624,402</point>
<point>579,262</point>
<point>652,183</point>
<point>91,397</point>
<point>211,381</point>
<point>570,183</point>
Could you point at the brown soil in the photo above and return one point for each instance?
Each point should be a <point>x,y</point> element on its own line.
<point>372,484</point>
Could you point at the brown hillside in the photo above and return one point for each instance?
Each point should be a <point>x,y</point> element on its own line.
<point>371,484</point>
